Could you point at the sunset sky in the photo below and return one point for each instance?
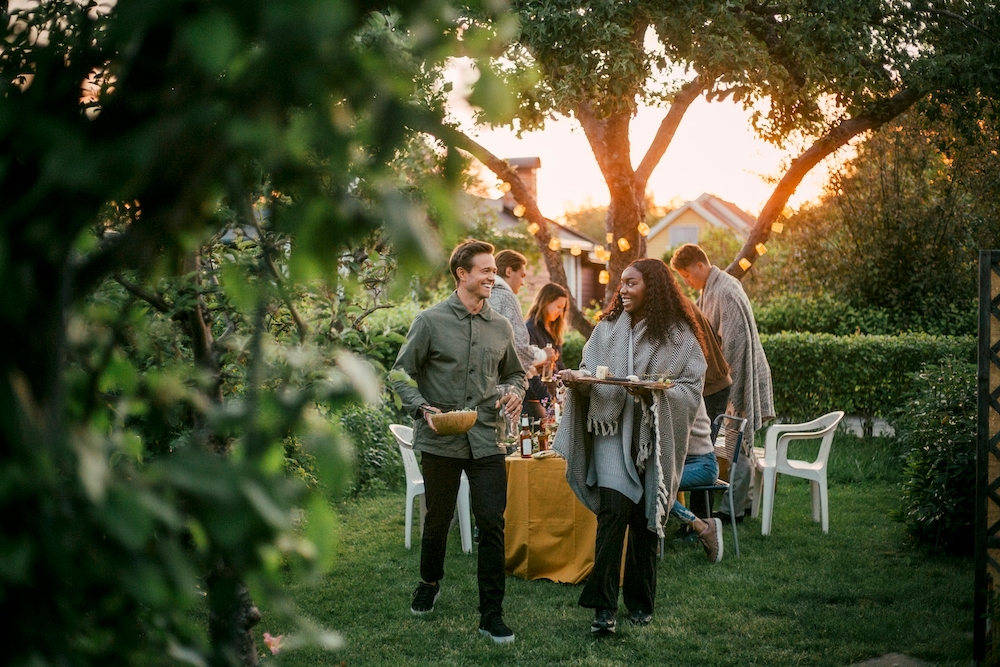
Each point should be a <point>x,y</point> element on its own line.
<point>715,150</point>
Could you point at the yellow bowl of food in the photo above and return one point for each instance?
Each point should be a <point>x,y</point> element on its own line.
<point>455,422</point>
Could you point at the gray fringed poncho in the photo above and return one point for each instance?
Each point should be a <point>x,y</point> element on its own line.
<point>665,426</point>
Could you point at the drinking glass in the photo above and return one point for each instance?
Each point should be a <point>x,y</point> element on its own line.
<point>507,427</point>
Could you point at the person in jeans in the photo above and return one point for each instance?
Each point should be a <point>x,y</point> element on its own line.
<point>625,448</point>
<point>455,354</point>
<point>701,469</point>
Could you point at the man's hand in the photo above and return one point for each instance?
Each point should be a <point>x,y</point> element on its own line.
<point>510,403</point>
<point>427,411</point>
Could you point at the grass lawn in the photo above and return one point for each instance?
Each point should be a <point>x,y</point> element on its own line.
<point>797,597</point>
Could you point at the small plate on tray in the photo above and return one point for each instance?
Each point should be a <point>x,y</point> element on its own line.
<point>624,382</point>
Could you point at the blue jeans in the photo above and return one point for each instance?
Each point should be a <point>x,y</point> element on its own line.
<point>699,470</point>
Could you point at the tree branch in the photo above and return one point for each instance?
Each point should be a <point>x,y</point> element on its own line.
<point>876,115</point>
<point>958,17</point>
<point>688,93</point>
<point>451,136</point>
<point>155,300</point>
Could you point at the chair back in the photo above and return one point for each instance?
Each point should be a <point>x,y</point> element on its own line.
<point>732,437</point>
<point>824,427</point>
<point>404,438</point>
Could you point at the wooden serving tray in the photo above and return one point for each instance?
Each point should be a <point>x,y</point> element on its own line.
<point>622,382</point>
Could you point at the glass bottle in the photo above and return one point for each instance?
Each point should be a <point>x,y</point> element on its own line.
<point>525,439</point>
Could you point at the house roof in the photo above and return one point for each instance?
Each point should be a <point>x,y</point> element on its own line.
<point>715,211</point>
<point>507,221</point>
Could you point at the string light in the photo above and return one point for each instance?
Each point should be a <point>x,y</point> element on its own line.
<point>777,227</point>
<point>760,248</point>
<point>554,243</point>
<point>533,228</point>
<point>504,186</point>
<point>623,244</point>
<point>610,237</point>
<point>745,264</point>
<point>644,229</point>
<point>575,250</point>
<point>519,210</point>
<point>604,278</point>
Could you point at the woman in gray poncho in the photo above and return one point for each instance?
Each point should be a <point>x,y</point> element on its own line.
<point>625,449</point>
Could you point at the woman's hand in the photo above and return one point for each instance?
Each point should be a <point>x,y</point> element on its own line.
<point>641,392</point>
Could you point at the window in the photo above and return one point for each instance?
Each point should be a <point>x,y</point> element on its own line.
<point>680,234</point>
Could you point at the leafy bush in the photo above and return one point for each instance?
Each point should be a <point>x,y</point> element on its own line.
<point>572,351</point>
<point>826,314</point>
<point>818,314</point>
<point>937,425</point>
<point>379,465</point>
<point>865,375</point>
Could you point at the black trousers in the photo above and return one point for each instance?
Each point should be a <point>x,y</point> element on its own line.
<point>488,490</point>
<point>639,590</point>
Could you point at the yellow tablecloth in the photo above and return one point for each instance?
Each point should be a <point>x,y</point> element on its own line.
<point>549,534</point>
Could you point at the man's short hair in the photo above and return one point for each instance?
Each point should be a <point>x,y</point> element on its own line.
<point>688,255</point>
<point>509,259</point>
<point>463,254</point>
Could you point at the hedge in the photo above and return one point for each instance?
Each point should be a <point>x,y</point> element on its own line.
<point>937,426</point>
<point>813,374</point>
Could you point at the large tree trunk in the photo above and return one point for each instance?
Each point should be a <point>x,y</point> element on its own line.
<point>231,616</point>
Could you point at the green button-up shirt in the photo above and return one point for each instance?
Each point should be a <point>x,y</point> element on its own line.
<point>457,359</point>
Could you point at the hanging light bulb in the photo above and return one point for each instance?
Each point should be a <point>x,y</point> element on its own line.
<point>554,243</point>
<point>519,210</point>
<point>533,228</point>
<point>623,244</point>
<point>777,227</point>
<point>604,278</point>
<point>610,237</point>
<point>598,251</point>
<point>760,248</point>
<point>745,264</point>
<point>644,229</point>
<point>504,186</point>
<point>575,250</point>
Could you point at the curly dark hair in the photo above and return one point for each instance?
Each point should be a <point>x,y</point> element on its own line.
<point>665,305</point>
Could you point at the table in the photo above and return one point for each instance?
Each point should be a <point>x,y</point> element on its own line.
<point>548,533</point>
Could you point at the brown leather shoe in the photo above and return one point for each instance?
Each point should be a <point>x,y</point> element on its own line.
<point>711,540</point>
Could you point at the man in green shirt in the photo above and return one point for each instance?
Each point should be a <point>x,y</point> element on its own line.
<point>454,355</point>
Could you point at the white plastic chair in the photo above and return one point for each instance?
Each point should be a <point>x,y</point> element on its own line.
<point>415,487</point>
<point>776,461</point>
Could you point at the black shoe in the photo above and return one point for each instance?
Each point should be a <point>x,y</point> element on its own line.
<point>640,617</point>
<point>725,517</point>
<point>491,624</point>
<point>605,622</point>
<point>424,598</point>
